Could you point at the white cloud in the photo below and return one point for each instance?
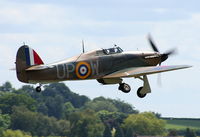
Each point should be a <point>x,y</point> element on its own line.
<point>34,14</point>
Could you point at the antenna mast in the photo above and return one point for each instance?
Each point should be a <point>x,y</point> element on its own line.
<point>83,46</point>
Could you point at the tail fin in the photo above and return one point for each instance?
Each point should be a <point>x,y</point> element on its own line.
<point>26,57</point>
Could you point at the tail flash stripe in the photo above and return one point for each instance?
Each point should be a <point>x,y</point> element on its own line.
<point>31,56</point>
<point>37,59</point>
<point>27,56</point>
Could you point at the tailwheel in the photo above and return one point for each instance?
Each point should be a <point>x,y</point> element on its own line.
<point>139,94</point>
<point>124,87</point>
<point>38,89</point>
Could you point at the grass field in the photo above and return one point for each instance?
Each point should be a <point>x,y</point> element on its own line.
<point>182,123</point>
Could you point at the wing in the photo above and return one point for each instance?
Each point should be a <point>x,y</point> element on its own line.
<point>140,71</point>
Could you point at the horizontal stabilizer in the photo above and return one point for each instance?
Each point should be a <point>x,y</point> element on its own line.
<point>39,67</point>
<point>12,69</point>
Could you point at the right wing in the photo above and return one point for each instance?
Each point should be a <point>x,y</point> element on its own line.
<point>140,71</point>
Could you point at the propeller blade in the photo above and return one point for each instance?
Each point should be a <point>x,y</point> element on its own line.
<point>165,55</point>
<point>153,45</point>
<point>159,80</point>
<point>170,52</point>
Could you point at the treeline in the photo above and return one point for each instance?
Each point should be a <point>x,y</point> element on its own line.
<point>57,111</point>
<point>172,118</point>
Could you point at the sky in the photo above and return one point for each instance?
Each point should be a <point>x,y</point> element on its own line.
<point>55,30</point>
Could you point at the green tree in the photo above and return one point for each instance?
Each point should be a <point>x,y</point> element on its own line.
<point>85,124</point>
<point>61,89</point>
<point>68,109</point>
<point>8,100</point>
<point>144,124</point>
<point>5,122</point>
<point>107,131</point>
<point>15,133</point>
<point>23,119</point>
<point>117,105</point>
<point>55,106</point>
<point>25,89</point>
<point>190,133</point>
<point>42,108</point>
<point>119,132</point>
<point>129,132</point>
<point>98,105</point>
<point>124,107</point>
<point>7,86</point>
<point>38,124</point>
<point>172,132</point>
<point>111,118</point>
<point>158,115</point>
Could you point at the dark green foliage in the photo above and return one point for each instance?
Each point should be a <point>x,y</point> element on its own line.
<point>37,124</point>
<point>68,109</point>
<point>4,122</point>
<point>111,105</point>
<point>15,133</point>
<point>55,106</point>
<point>51,101</point>
<point>158,115</point>
<point>124,107</point>
<point>111,118</point>
<point>6,87</point>
<point>197,132</point>
<point>172,132</point>
<point>61,89</point>
<point>107,131</point>
<point>98,105</point>
<point>59,112</point>
<point>85,124</point>
<point>42,108</point>
<point>119,132</point>
<point>53,90</point>
<point>190,133</point>
<point>144,124</point>
<point>8,100</point>
<point>129,132</point>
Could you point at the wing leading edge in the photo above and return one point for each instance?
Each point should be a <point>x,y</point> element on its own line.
<point>140,71</point>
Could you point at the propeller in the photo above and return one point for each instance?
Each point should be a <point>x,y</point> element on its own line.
<point>164,56</point>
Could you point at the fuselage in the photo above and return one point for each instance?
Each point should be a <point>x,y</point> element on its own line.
<point>92,65</point>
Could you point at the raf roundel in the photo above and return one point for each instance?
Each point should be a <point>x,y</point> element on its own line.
<point>83,70</point>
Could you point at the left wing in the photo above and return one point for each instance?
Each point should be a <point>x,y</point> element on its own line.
<point>140,71</point>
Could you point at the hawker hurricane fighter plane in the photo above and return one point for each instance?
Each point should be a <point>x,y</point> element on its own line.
<point>107,66</point>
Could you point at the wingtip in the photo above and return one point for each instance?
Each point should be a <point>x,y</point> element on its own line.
<point>188,66</point>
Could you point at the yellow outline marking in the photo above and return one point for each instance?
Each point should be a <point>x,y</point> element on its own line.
<point>78,67</point>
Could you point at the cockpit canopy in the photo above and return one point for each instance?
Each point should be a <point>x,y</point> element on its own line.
<point>113,50</point>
